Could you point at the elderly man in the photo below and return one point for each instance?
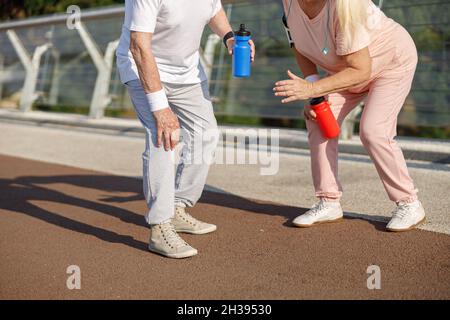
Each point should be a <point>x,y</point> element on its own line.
<point>159,62</point>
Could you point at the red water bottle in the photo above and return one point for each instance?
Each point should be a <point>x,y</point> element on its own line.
<point>325,118</point>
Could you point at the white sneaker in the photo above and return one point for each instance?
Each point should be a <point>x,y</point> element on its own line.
<point>166,241</point>
<point>184,222</point>
<point>406,217</point>
<point>321,212</point>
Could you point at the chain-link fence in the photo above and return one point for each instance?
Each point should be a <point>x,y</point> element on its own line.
<point>68,76</point>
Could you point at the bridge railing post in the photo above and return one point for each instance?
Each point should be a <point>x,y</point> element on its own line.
<point>31,66</point>
<point>100,97</point>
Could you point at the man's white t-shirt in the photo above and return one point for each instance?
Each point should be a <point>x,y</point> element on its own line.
<point>177,27</point>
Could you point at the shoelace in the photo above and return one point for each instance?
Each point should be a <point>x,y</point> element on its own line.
<point>172,236</point>
<point>188,217</point>
<point>402,211</point>
<point>317,208</point>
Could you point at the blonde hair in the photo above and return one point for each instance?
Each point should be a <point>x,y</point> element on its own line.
<point>352,14</point>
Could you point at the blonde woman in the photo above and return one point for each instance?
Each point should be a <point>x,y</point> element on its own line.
<point>366,56</point>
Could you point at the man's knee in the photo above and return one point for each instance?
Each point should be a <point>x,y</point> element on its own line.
<point>211,137</point>
<point>201,142</point>
<point>211,134</point>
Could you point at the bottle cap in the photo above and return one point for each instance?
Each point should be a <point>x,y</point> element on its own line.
<point>316,101</point>
<point>242,31</point>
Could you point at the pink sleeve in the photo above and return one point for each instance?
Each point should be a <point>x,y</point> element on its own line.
<point>361,38</point>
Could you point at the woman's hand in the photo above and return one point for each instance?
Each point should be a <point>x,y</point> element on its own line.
<point>230,46</point>
<point>294,89</point>
<point>309,113</point>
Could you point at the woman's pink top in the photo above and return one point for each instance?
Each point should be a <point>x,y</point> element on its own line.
<point>380,35</point>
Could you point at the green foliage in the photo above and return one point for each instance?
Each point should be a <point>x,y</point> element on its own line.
<point>237,120</point>
<point>429,39</point>
<point>14,9</point>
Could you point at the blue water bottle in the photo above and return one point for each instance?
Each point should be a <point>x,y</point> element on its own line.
<point>241,53</point>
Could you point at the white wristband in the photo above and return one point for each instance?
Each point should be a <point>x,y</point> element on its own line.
<point>313,78</point>
<point>157,100</point>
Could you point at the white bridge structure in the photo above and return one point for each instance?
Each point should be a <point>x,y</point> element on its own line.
<point>31,59</point>
<point>58,61</point>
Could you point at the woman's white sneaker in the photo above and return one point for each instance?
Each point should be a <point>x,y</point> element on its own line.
<point>321,212</point>
<point>166,241</point>
<point>406,217</point>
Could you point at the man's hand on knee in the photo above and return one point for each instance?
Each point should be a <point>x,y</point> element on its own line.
<point>168,128</point>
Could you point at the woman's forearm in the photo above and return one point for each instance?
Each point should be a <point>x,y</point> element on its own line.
<point>358,71</point>
<point>340,81</point>
<point>343,80</point>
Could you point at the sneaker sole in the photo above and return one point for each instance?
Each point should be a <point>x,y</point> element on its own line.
<point>408,229</point>
<point>182,255</point>
<point>317,223</point>
<point>197,232</point>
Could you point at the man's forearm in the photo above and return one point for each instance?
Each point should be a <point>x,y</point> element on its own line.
<point>145,62</point>
<point>219,24</point>
<point>148,72</point>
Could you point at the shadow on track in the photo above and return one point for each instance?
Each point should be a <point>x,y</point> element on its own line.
<point>223,199</point>
<point>18,194</point>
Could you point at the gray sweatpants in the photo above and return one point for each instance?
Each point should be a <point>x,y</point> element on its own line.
<point>168,183</point>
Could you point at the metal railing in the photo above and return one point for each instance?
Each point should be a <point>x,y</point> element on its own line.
<point>44,62</point>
